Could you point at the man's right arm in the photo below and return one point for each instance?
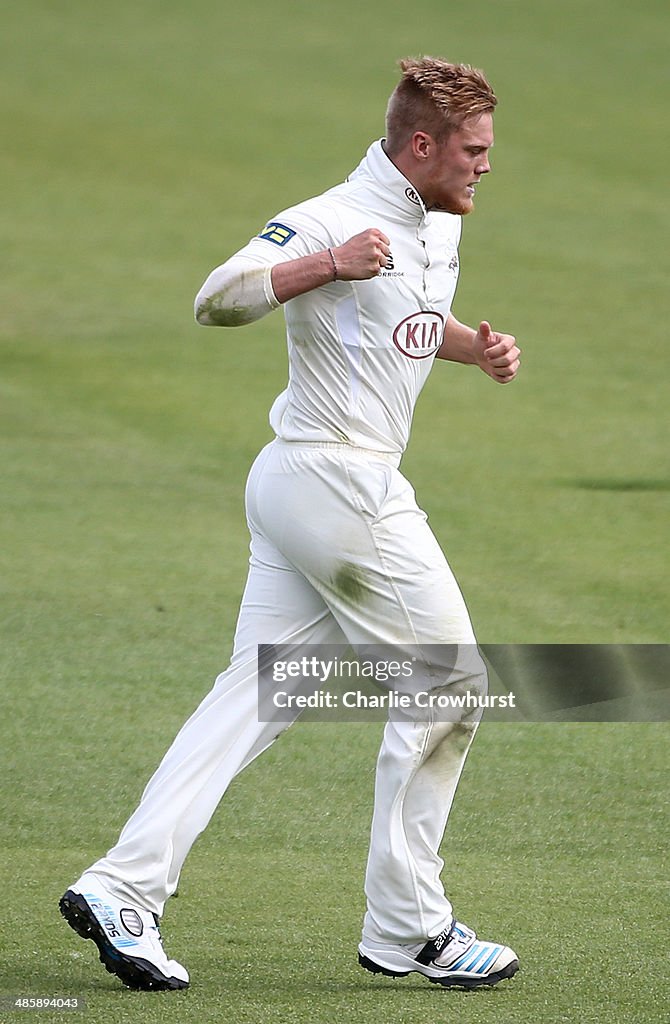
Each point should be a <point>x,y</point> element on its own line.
<point>243,290</point>
<point>358,259</point>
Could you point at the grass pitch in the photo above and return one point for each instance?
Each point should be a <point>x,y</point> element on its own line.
<point>144,143</point>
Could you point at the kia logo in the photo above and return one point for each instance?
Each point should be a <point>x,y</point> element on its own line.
<point>419,335</point>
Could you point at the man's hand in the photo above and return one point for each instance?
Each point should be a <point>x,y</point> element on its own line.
<point>358,259</point>
<point>362,256</point>
<point>496,354</point>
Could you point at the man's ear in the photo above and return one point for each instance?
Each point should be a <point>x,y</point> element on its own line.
<point>422,144</point>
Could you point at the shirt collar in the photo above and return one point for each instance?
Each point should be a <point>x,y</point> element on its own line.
<point>399,190</point>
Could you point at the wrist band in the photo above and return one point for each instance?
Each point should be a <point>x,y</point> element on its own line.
<point>330,251</point>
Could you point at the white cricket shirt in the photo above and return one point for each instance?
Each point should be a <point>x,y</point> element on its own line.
<point>360,351</point>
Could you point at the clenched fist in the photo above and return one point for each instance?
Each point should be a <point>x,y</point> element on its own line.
<point>496,354</point>
<point>362,256</point>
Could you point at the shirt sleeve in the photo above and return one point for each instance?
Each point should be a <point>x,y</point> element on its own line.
<point>240,290</point>
<point>299,231</point>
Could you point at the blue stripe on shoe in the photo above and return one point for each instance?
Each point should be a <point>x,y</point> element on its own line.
<point>496,950</point>
<point>466,956</point>
<point>483,950</point>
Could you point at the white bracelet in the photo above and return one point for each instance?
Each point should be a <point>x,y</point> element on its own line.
<point>332,256</point>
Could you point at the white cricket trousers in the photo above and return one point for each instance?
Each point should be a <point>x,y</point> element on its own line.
<point>340,553</point>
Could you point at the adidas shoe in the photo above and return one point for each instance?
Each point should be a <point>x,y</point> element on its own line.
<point>455,958</point>
<point>127,937</point>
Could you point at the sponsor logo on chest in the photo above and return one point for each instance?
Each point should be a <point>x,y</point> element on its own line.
<point>390,269</point>
<point>419,335</point>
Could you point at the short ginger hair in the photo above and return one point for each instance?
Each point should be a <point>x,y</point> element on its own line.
<point>436,97</point>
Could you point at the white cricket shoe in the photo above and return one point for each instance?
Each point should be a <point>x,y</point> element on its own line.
<point>127,937</point>
<point>455,958</point>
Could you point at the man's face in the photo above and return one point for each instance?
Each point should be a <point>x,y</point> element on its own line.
<point>450,170</point>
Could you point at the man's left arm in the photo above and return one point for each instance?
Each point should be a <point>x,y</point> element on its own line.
<point>494,353</point>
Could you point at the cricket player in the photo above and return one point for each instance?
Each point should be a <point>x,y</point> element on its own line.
<point>340,551</point>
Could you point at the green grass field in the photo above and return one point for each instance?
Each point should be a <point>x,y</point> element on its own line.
<point>143,143</point>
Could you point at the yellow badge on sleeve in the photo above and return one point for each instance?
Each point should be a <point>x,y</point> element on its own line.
<point>277,233</point>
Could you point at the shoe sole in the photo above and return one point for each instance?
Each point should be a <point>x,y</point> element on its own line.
<point>463,982</point>
<point>134,972</point>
